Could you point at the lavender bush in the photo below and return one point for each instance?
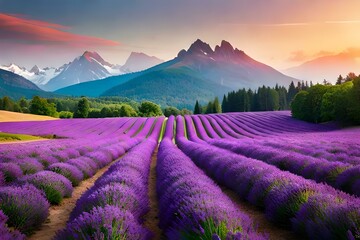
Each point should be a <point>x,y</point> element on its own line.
<point>25,206</point>
<point>11,171</point>
<point>55,186</point>
<point>5,232</point>
<point>191,205</point>
<point>107,222</point>
<point>70,172</point>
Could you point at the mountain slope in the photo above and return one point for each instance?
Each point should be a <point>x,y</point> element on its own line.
<point>88,67</point>
<point>170,87</point>
<point>15,86</point>
<point>36,75</point>
<point>325,67</point>
<point>229,67</point>
<point>210,72</point>
<point>96,88</point>
<point>139,61</point>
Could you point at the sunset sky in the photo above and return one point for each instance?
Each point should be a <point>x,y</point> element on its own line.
<point>280,33</point>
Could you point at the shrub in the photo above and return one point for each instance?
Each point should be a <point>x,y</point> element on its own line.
<point>11,171</point>
<point>5,232</point>
<point>30,165</point>
<point>55,186</point>
<point>65,114</point>
<point>108,222</point>
<point>26,207</point>
<point>86,169</point>
<point>70,172</point>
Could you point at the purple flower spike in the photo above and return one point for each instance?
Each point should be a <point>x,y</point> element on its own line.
<point>55,186</point>
<point>70,172</point>
<point>26,207</point>
<point>107,222</point>
<point>6,233</point>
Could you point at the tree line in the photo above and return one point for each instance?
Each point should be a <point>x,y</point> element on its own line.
<point>88,107</point>
<point>262,99</point>
<point>81,107</point>
<point>323,103</point>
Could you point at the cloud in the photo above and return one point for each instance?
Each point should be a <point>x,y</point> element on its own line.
<point>298,56</point>
<point>343,22</point>
<point>20,29</point>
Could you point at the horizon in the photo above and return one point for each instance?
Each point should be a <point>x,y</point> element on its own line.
<point>280,34</point>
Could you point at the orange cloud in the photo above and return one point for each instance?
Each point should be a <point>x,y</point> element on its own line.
<point>18,28</point>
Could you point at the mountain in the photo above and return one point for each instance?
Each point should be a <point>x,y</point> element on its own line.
<point>210,72</point>
<point>36,75</point>
<point>16,86</point>
<point>140,61</point>
<point>325,67</point>
<point>88,67</point>
<point>229,66</point>
<point>96,88</point>
<point>169,87</point>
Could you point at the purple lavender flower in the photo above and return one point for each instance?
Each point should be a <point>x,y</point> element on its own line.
<point>119,195</point>
<point>11,171</point>
<point>107,222</point>
<point>86,169</point>
<point>5,232</point>
<point>55,186</point>
<point>70,172</point>
<point>2,179</point>
<point>25,206</point>
<point>191,205</point>
<point>30,165</point>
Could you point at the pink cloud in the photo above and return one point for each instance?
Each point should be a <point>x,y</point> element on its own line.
<point>18,28</point>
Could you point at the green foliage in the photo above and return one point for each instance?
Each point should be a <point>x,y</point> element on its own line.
<point>149,109</point>
<point>170,87</point>
<point>216,106</point>
<point>322,103</point>
<point>127,111</point>
<point>168,111</point>
<point>24,105</point>
<point>354,107</point>
<point>185,111</point>
<point>83,108</point>
<point>298,105</point>
<point>65,114</point>
<point>209,229</point>
<point>197,108</point>
<point>264,99</point>
<point>41,106</point>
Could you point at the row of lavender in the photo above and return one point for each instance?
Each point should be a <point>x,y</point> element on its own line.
<point>285,197</point>
<point>44,182</point>
<point>341,171</point>
<point>192,206</point>
<point>115,206</point>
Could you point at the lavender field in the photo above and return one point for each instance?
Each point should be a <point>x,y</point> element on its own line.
<point>175,178</point>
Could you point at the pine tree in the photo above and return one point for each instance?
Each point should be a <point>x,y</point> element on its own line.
<point>216,106</point>
<point>224,104</point>
<point>292,92</point>
<point>83,108</point>
<point>339,80</point>
<point>209,108</point>
<point>197,109</point>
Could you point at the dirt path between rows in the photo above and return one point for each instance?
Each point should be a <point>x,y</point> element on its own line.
<point>59,215</point>
<point>275,232</point>
<point>152,217</point>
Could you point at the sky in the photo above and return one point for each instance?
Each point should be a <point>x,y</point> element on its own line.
<point>280,33</point>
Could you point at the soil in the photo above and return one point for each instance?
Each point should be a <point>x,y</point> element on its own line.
<point>6,116</point>
<point>275,232</point>
<point>21,141</point>
<point>59,214</point>
<point>152,217</point>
